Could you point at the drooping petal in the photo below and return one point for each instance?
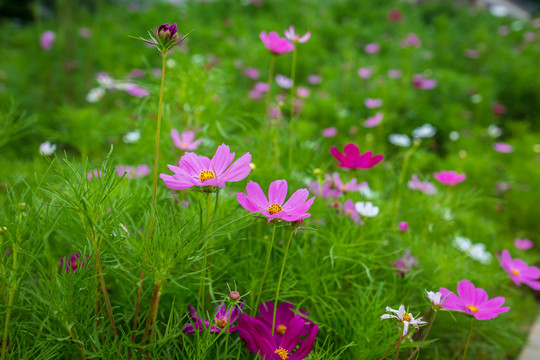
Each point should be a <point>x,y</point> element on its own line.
<point>405,327</point>
<point>239,170</point>
<point>222,159</point>
<point>277,192</point>
<point>256,195</point>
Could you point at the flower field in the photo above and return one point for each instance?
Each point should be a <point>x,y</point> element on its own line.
<point>268,179</point>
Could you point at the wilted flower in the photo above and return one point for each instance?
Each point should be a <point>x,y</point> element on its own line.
<point>273,208</point>
<point>276,44</point>
<point>503,147</point>
<point>424,131</point>
<point>401,140</point>
<point>46,148</point>
<point>185,141</point>
<point>449,178</point>
<point>473,301</point>
<point>519,271</point>
<point>47,39</point>
<point>352,159</point>
<point>404,317</point>
<point>195,170</point>
<point>374,120</point>
<point>296,38</point>
<point>366,209</point>
<point>222,315</point>
<point>523,244</point>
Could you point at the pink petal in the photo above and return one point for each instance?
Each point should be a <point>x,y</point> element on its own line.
<point>351,151</point>
<point>176,137</point>
<point>188,136</point>
<point>177,182</point>
<point>222,159</point>
<point>256,195</point>
<point>466,292</point>
<point>277,192</point>
<point>302,209</point>
<point>296,200</point>
<point>337,154</point>
<point>239,170</point>
<point>243,199</point>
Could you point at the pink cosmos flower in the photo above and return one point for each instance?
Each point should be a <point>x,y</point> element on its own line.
<point>329,132</point>
<point>94,174</point>
<point>47,39</point>
<point>394,15</point>
<point>424,186</point>
<point>523,244</point>
<point>394,73</point>
<point>364,73</point>
<point>295,38</point>
<point>336,187</point>
<point>261,86</point>
<point>349,209</point>
<point>374,120</point>
<point>284,82</point>
<point>498,109</point>
<point>251,73</point>
<point>519,271</point>
<point>352,159</point>
<point>411,40</point>
<point>372,48</point>
<point>185,141</point>
<point>137,91</point>
<point>195,170</point>
<point>273,208</point>
<point>302,92</point>
<point>314,79</point>
<point>373,103</point>
<point>403,226</point>
<point>503,147</point>
<point>405,263</point>
<point>449,178</point>
<point>473,301</point>
<point>276,44</point>
<point>255,94</point>
<point>133,172</point>
<point>423,83</point>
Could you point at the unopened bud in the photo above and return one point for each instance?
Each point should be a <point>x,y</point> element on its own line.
<point>234,295</point>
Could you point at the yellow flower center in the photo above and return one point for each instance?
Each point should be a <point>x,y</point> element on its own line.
<point>343,188</point>
<point>274,209</point>
<point>221,323</point>
<point>407,317</point>
<point>515,272</point>
<point>283,353</point>
<point>183,144</point>
<point>473,308</point>
<point>281,329</point>
<point>206,175</point>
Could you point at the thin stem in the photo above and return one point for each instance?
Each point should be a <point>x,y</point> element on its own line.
<point>425,336</point>
<point>200,296</point>
<point>106,297</point>
<point>279,281</point>
<point>387,351</point>
<point>74,337</point>
<point>399,343</point>
<point>228,331</point>
<point>137,306</point>
<point>265,270</point>
<point>12,290</point>
<point>293,73</point>
<point>150,312</point>
<point>156,307</point>
<point>468,339</point>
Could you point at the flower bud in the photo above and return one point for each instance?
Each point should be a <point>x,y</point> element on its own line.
<point>167,32</point>
<point>234,295</point>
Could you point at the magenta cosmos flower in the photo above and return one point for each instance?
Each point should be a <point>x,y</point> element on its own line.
<point>523,244</point>
<point>473,301</point>
<point>185,141</point>
<point>352,159</point>
<point>273,208</point>
<point>222,315</point>
<point>449,178</point>
<point>276,44</point>
<point>195,170</point>
<point>74,262</point>
<point>519,271</point>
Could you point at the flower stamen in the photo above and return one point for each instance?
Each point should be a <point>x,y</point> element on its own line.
<point>407,317</point>
<point>473,308</point>
<point>207,175</point>
<point>281,329</point>
<point>283,353</point>
<point>221,323</point>
<point>274,209</point>
<point>515,272</point>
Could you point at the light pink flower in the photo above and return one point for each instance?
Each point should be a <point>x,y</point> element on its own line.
<point>373,103</point>
<point>314,79</point>
<point>352,159</point>
<point>372,48</point>
<point>185,141</point>
<point>195,170</point>
<point>449,178</point>
<point>273,208</point>
<point>423,83</point>
<point>303,92</point>
<point>261,87</point>
<point>329,132</point>
<point>94,174</point>
<point>405,263</point>
<point>473,301</point>
<point>394,73</point>
<point>374,120</point>
<point>529,36</point>
<point>364,72</point>
<point>411,41</point>
<point>519,271</point>
<point>295,38</point>
<point>334,187</point>
<point>137,91</point>
<point>424,186</point>
<point>84,32</point>
<point>47,39</point>
<point>276,44</point>
<point>403,226</point>
<point>251,73</point>
<point>255,94</point>
<point>284,82</point>
<point>349,209</point>
<point>523,244</point>
<point>136,73</point>
<point>503,147</point>
<point>133,172</point>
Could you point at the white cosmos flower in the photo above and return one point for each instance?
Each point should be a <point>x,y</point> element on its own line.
<point>402,316</point>
<point>494,131</point>
<point>132,137</point>
<point>435,298</point>
<point>425,131</point>
<point>46,148</point>
<point>399,140</point>
<point>476,251</point>
<point>95,95</point>
<point>366,209</point>
<point>366,192</point>
<point>454,135</point>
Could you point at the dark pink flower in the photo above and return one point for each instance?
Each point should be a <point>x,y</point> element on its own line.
<point>352,159</point>
<point>185,141</point>
<point>519,271</point>
<point>449,178</point>
<point>473,301</point>
<point>74,262</point>
<point>394,15</point>
<point>403,226</point>
<point>167,32</point>
<point>274,208</point>
<point>195,170</point>
<point>523,244</point>
<point>498,109</point>
<point>421,82</point>
<point>276,44</point>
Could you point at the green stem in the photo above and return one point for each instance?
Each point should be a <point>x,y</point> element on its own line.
<point>205,258</point>
<point>293,74</point>
<point>228,332</point>
<point>265,269</point>
<point>397,200</point>
<point>12,290</point>
<point>151,311</point>
<point>387,351</point>
<point>425,336</point>
<point>279,280</point>
<point>468,340</point>
<point>106,297</point>
<point>398,344</point>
